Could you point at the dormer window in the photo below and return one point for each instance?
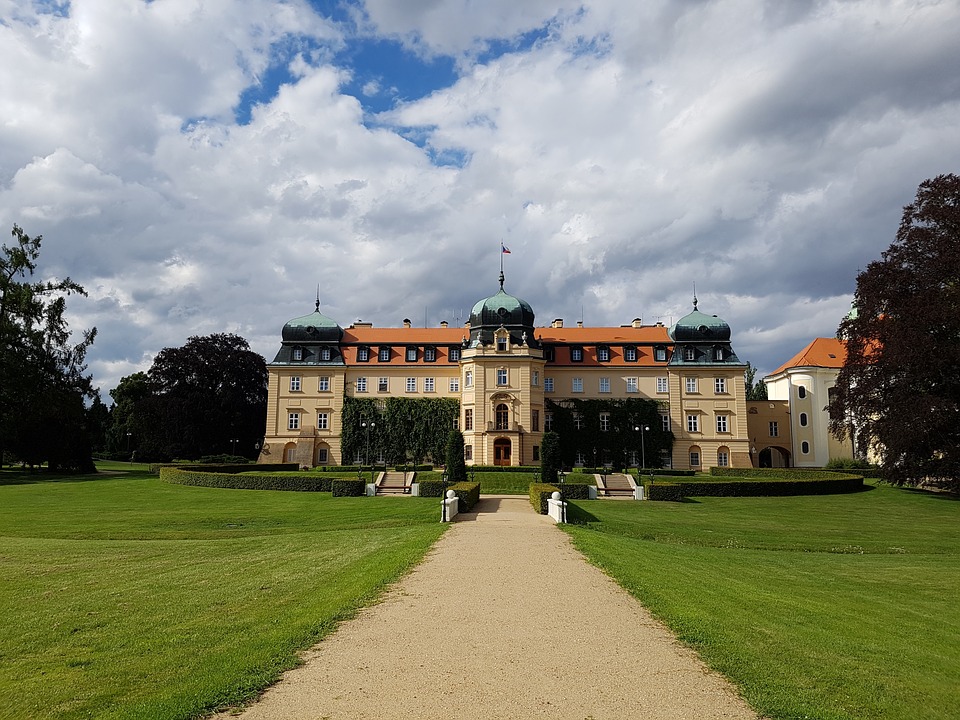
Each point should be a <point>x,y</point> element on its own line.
<point>384,354</point>
<point>502,340</point>
<point>576,354</point>
<point>454,354</point>
<point>549,354</point>
<point>298,353</point>
<point>363,354</point>
<point>718,353</point>
<point>630,354</point>
<point>411,354</point>
<point>660,354</point>
<point>429,354</point>
<point>603,354</point>
<point>325,354</point>
<point>501,344</point>
<point>689,354</point>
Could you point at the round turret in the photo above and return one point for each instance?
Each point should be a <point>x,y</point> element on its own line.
<point>700,327</point>
<point>315,327</point>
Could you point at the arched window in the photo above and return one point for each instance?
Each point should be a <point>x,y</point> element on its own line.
<point>503,417</point>
<point>805,447</point>
<point>801,392</point>
<point>803,419</point>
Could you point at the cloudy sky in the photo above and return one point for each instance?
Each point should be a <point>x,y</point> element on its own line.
<point>201,166</point>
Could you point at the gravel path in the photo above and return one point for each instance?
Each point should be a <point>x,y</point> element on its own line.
<point>503,619</point>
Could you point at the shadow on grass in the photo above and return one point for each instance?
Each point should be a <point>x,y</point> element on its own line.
<point>25,477</point>
<point>936,494</point>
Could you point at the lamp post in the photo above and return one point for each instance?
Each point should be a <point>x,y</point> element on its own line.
<point>128,446</point>
<point>643,429</point>
<point>233,446</point>
<point>367,425</point>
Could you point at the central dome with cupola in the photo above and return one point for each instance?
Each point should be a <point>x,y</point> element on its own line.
<point>501,310</point>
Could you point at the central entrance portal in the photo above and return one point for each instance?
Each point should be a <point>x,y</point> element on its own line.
<point>501,451</point>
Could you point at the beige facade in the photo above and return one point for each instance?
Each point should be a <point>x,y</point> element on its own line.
<point>503,369</point>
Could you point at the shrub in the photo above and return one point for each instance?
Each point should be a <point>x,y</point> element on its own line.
<point>468,493</point>
<point>432,488</point>
<point>575,491</point>
<point>666,492</point>
<point>224,459</point>
<point>539,494</point>
<point>250,481</point>
<point>341,487</point>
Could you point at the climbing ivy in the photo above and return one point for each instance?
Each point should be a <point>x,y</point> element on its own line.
<point>405,429</point>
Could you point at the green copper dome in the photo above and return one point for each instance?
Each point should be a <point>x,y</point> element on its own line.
<point>315,327</point>
<point>504,310</point>
<point>700,327</point>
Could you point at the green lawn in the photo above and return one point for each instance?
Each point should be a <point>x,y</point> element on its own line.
<point>126,597</point>
<point>822,607</point>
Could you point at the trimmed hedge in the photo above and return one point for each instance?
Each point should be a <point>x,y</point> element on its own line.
<point>575,491</point>
<point>503,468</point>
<point>665,492</point>
<point>667,472</point>
<point>342,487</point>
<point>248,481</point>
<point>758,482</point>
<point>539,494</point>
<point>432,488</point>
<point>468,493</point>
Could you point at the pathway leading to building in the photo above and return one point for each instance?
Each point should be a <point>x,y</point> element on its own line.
<point>503,619</point>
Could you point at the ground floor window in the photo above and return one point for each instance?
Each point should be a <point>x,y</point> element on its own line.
<point>723,458</point>
<point>468,452</point>
<point>536,453</point>
<point>322,456</point>
<point>694,458</point>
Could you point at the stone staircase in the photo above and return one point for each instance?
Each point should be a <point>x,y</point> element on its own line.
<point>392,483</point>
<point>615,485</point>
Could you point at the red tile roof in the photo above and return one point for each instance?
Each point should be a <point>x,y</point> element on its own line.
<point>821,352</point>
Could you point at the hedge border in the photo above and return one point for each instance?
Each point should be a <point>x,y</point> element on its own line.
<point>758,482</point>
<point>344,487</point>
<point>248,481</point>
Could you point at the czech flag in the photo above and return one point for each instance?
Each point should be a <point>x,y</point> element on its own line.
<point>504,249</point>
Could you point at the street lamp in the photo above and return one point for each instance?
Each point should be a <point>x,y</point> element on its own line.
<point>367,425</point>
<point>233,446</point>
<point>642,429</point>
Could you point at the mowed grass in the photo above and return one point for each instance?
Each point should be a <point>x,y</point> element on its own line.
<point>127,597</point>
<point>833,607</point>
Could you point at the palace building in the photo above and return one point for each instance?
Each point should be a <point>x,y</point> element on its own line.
<point>503,370</point>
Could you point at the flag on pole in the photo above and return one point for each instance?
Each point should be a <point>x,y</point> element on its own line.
<point>504,249</point>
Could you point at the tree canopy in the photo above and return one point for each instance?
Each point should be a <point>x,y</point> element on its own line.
<point>43,380</point>
<point>898,392</point>
<point>204,398</point>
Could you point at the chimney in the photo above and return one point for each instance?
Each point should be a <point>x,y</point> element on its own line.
<point>443,323</point>
<point>637,322</point>
<point>580,323</point>
<point>406,322</point>
<point>360,324</point>
<point>558,323</point>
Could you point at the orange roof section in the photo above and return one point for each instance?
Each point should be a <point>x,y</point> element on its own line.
<point>820,352</point>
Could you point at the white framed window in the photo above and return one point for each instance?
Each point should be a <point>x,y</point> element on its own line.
<point>548,384</point>
<point>361,384</point>
<point>693,423</point>
<point>468,419</point>
<point>454,384</point>
<point>663,385</point>
<point>722,424</point>
<point>501,344</point>
<point>630,354</point>
<point>383,384</point>
<point>720,386</point>
<point>323,421</point>
<point>803,419</point>
<point>428,385</point>
<point>577,421</point>
<point>468,378</point>
<point>691,384</point>
<point>456,423</point>
<point>295,383</point>
<point>694,458</point>
<point>723,458</point>
<point>298,353</point>
<point>535,378</point>
<point>660,354</point>
<point>501,376</point>
<point>384,354</point>
<point>665,423</point>
<point>603,354</point>
<point>322,455</point>
<point>325,354</point>
<point>363,354</point>
<point>411,354</point>
<point>718,353</point>
<point>468,452</point>
<point>548,421</point>
<point>293,421</point>
<point>689,354</point>
<point>604,385</point>
<point>324,384</point>
<point>429,354</point>
<point>577,385</point>
<point>454,354</point>
<point>411,384</point>
<point>576,354</point>
<point>774,428</point>
<point>604,422</point>
<point>633,385</point>
<point>805,447</point>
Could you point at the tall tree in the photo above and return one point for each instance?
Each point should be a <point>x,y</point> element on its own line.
<point>899,390</point>
<point>455,466</point>
<point>204,398</point>
<point>43,380</point>
<point>756,389</point>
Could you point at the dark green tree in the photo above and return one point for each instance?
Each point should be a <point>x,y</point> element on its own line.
<point>456,467</point>
<point>756,389</point>
<point>550,460</point>
<point>43,379</point>
<point>195,400</point>
<point>898,391</point>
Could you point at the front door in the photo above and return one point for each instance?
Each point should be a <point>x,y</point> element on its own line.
<point>501,452</point>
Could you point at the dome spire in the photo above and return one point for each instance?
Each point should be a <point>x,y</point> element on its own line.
<point>501,279</point>
<point>694,296</point>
